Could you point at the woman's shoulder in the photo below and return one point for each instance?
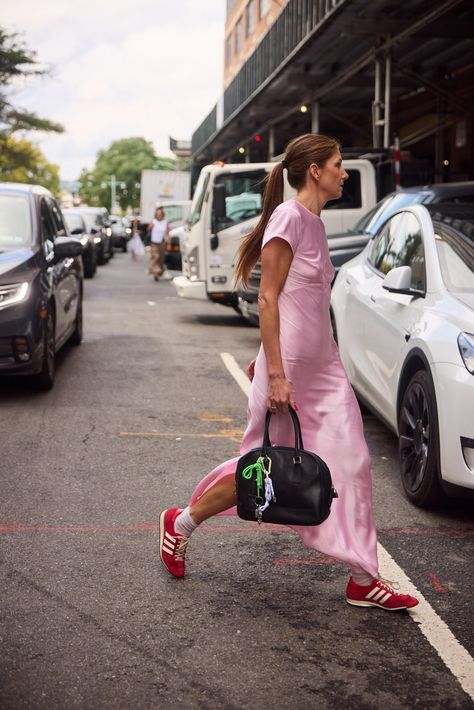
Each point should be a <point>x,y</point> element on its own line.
<point>287,208</point>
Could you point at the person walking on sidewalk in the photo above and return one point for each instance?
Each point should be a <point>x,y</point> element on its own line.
<point>160,237</point>
<point>299,364</point>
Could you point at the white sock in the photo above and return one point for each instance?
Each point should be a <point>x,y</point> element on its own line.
<point>184,524</point>
<point>360,576</point>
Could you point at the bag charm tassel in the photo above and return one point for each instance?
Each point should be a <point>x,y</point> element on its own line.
<point>263,469</point>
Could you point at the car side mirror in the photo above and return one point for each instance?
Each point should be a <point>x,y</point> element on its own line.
<point>67,248</point>
<point>399,281</point>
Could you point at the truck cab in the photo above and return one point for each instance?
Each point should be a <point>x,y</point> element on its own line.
<point>226,206</point>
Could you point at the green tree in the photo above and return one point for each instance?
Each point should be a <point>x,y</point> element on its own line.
<point>18,61</point>
<point>21,161</point>
<point>124,160</point>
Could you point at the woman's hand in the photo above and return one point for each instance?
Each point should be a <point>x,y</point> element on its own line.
<point>280,394</point>
<point>251,369</point>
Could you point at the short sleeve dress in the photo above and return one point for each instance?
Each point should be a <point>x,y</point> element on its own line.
<point>327,408</point>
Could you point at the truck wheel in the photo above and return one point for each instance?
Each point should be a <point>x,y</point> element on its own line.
<point>418,443</point>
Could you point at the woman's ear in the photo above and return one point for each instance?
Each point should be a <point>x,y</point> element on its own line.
<point>314,171</point>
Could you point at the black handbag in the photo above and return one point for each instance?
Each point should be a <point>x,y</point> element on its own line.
<point>283,484</point>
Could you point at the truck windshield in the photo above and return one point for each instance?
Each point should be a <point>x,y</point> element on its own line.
<point>15,222</point>
<point>198,198</point>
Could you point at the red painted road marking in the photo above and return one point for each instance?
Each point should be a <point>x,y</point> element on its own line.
<point>294,561</point>
<point>436,583</point>
<point>241,528</point>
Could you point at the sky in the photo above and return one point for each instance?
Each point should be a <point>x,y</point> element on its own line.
<point>118,68</point>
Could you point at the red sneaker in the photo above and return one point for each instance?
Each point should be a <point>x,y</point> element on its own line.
<point>172,545</point>
<point>380,594</point>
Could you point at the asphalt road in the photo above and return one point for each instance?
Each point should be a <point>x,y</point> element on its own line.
<point>90,619</point>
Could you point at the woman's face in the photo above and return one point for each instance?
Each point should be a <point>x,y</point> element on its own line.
<point>332,177</point>
<point>159,214</point>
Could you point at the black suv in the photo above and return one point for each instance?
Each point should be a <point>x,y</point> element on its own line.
<point>41,281</point>
<point>99,225</point>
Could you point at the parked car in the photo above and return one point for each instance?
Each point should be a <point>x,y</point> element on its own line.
<point>403,312</point>
<point>99,225</point>
<point>121,232</point>
<point>78,228</point>
<point>41,283</point>
<point>343,246</point>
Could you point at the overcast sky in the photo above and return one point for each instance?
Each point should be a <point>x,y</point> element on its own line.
<point>120,68</point>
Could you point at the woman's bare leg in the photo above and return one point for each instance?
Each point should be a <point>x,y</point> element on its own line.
<point>220,497</point>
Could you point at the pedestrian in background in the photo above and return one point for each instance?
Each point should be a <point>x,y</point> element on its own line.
<point>160,237</point>
<point>299,364</point>
<point>135,245</point>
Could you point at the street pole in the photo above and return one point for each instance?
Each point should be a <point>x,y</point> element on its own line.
<point>112,191</point>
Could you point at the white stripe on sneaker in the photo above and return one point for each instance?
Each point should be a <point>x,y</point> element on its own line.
<point>167,548</point>
<point>170,537</point>
<point>371,594</point>
<point>385,598</point>
<point>381,593</point>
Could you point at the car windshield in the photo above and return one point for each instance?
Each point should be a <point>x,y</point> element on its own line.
<point>384,209</point>
<point>198,199</point>
<point>74,221</point>
<point>15,222</point>
<point>89,219</point>
<point>455,245</point>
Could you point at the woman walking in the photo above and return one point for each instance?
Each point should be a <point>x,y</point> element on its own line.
<point>298,364</point>
<point>160,237</point>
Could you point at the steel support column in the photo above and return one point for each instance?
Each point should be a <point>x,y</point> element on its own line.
<point>377,104</point>
<point>271,142</point>
<point>387,100</point>
<point>315,117</point>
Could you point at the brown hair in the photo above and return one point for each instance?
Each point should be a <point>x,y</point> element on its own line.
<point>300,153</point>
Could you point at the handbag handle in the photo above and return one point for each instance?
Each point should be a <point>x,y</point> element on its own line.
<point>296,425</point>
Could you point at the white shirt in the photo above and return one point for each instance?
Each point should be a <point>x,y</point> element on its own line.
<point>158,232</point>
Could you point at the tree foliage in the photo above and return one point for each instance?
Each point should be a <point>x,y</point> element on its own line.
<point>21,161</point>
<point>29,166</point>
<point>124,160</point>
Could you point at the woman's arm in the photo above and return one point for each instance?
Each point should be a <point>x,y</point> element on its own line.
<point>276,261</point>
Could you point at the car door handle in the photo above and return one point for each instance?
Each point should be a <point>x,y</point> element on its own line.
<point>373,299</point>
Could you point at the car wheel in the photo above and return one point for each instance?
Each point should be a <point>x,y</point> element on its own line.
<point>76,336</point>
<point>89,270</point>
<point>101,256</point>
<point>418,443</point>
<point>44,380</point>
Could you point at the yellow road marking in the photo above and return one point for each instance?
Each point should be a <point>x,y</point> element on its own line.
<point>210,417</point>
<point>232,434</point>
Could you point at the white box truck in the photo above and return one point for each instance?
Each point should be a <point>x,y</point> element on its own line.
<point>226,205</point>
<point>162,187</point>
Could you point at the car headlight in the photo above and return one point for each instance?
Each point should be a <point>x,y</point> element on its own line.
<point>466,348</point>
<point>108,231</point>
<point>14,293</point>
<point>84,241</point>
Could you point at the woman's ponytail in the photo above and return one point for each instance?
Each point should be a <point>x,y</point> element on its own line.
<point>249,251</point>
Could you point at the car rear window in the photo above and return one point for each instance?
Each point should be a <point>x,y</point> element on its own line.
<point>15,221</point>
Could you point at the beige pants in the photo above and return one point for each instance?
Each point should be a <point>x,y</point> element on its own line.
<point>157,259</point>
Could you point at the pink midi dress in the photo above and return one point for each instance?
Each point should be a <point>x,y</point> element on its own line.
<point>330,417</point>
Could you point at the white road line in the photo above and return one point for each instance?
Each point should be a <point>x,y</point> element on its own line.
<point>436,631</point>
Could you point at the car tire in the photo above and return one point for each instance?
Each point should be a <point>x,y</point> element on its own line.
<point>101,256</point>
<point>76,337</point>
<point>418,443</point>
<point>44,380</point>
<point>89,270</point>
